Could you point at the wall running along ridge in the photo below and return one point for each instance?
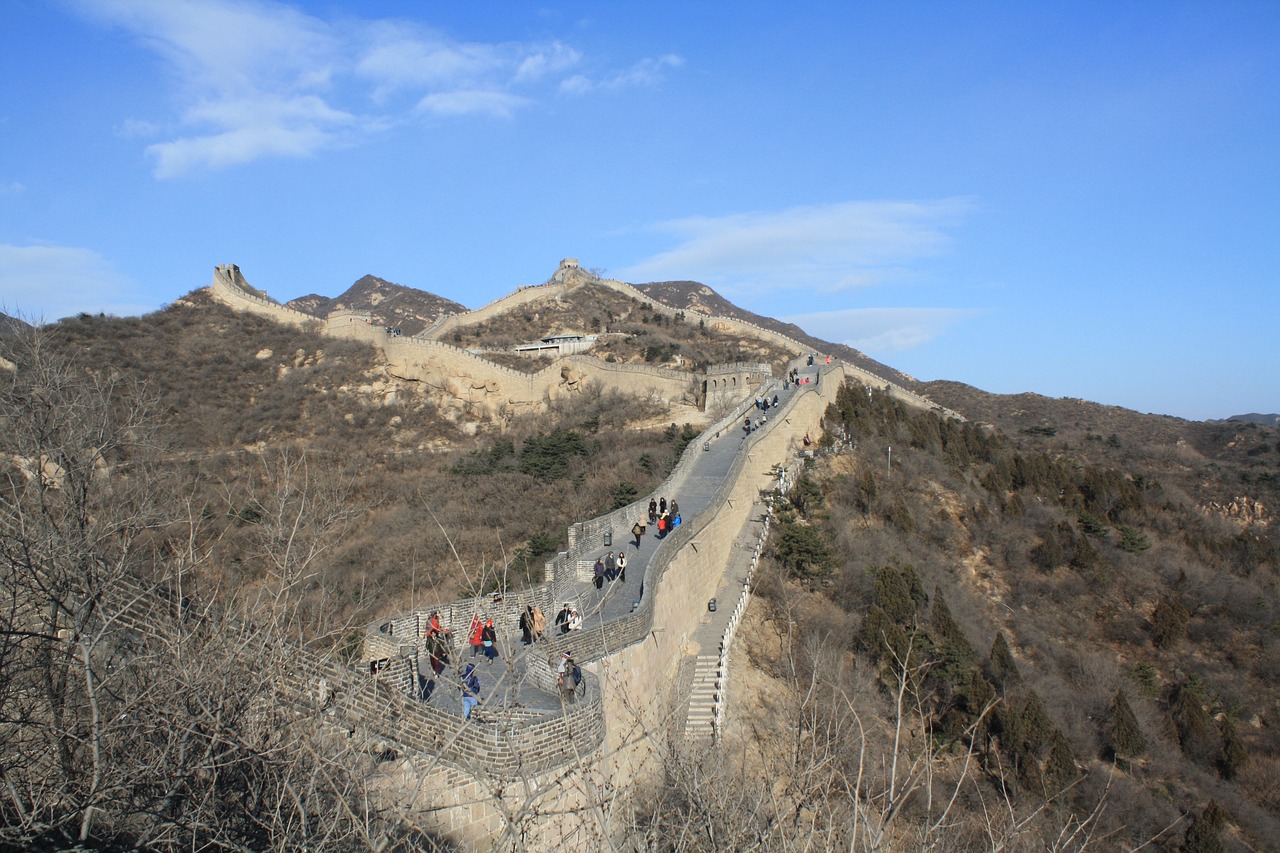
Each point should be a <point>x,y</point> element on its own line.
<point>631,662</point>
<point>493,387</point>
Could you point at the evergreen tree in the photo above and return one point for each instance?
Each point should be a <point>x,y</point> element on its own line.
<point>1060,770</point>
<point>1125,737</point>
<point>1001,667</point>
<point>899,592</point>
<point>1204,835</point>
<point>1169,622</point>
<point>1234,755</point>
<point>949,640</point>
<point>1191,723</point>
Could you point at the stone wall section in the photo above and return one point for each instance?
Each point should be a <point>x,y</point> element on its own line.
<point>501,305</point>
<point>456,372</point>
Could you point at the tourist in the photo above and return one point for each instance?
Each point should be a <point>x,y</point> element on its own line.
<point>575,620</point>
<point>437,651</point>
<point>475,638</point>
<point>526,625</point>
<point>622,567</point>
<point>489,639</point>
<point>637,530</point>
<point>470,690</point>
<point>565,675</point>
<point>539,623</point>
<point>562,618</point>
<point>597,572</point>
<point>610,567</point>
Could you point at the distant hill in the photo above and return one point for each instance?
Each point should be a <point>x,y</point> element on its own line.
<point>9,325</point>
<point>406,308</point>
<point>1271,420</point>
<point>697,297</point>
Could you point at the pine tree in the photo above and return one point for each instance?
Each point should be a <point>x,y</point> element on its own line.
<point>1169,622</point>
<point>1234,755</point>
<point>1205,833</point>
<point>1126,737</point>
<point>1191,722</point>
<point>1060,770</point>
<point>1001,667</point>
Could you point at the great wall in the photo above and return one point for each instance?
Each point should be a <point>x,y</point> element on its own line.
<point>527,765</point>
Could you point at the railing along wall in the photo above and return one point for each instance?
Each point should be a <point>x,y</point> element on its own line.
<point>720,700</point>
<point>504,742</point>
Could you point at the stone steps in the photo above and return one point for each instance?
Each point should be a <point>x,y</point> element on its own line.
<point>700,717</point>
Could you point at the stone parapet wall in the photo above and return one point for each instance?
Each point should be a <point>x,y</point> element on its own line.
<point>495,742</point>
<point>501,305</point>
<point>229,289</point>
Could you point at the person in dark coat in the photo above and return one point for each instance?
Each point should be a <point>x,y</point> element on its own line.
<point>598,572</point>
<point>526,625</point>
<point>489,639</point>
<point>437,651</point>
<point>562,618</point>
<point>470,690</point>
<point>653,510</point>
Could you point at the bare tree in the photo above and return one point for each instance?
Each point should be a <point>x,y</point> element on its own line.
<point>133,710</point>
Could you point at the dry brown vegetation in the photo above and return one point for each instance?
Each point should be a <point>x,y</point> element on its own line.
<point>1063,617</point>
<point>433,513</point>
<point>631,332</point>
<point>1085,632</point>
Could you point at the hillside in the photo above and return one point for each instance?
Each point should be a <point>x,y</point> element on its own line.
<point>698,298</point>
<point>9,325</point>
<point>1063,612</point>
<point>408,309</point>
<point>1093,616</point>
<point>627,331</point>
<point>239,394</point>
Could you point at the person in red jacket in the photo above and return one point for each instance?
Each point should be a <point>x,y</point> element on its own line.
<point>474,635</point>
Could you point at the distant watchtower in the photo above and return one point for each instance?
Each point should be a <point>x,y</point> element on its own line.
<point>567,267</point>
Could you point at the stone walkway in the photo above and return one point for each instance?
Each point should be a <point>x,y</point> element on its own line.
<point>505,683</point>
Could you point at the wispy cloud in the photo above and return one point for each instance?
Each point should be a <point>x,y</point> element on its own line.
<point>647,72</point>
<point>44,283</point>
<point>259,78</point>
<point>12,188</point>
<point>500,104</point>
<point>824,248</point>
<point>882,331</point>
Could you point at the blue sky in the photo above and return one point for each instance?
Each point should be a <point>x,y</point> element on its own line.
<point>1077,199</point>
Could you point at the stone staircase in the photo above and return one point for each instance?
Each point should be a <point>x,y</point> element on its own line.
<point>700,723</point>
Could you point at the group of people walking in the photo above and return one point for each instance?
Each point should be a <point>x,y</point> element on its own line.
<point>569,618</point>
<point>611,567</point>
<point>666,517</point>
<point>482,635</point>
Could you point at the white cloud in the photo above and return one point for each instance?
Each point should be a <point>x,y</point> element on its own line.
<point>555,58</point>
<point>881,331</point>
<point>824,248</point>
<point>12,188</point>
<point>498,104</point>
<point>134,128</point>
<point>401,57</point>
<point>51,282</point>
<point>646,72</point>
<point>259,78</point>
